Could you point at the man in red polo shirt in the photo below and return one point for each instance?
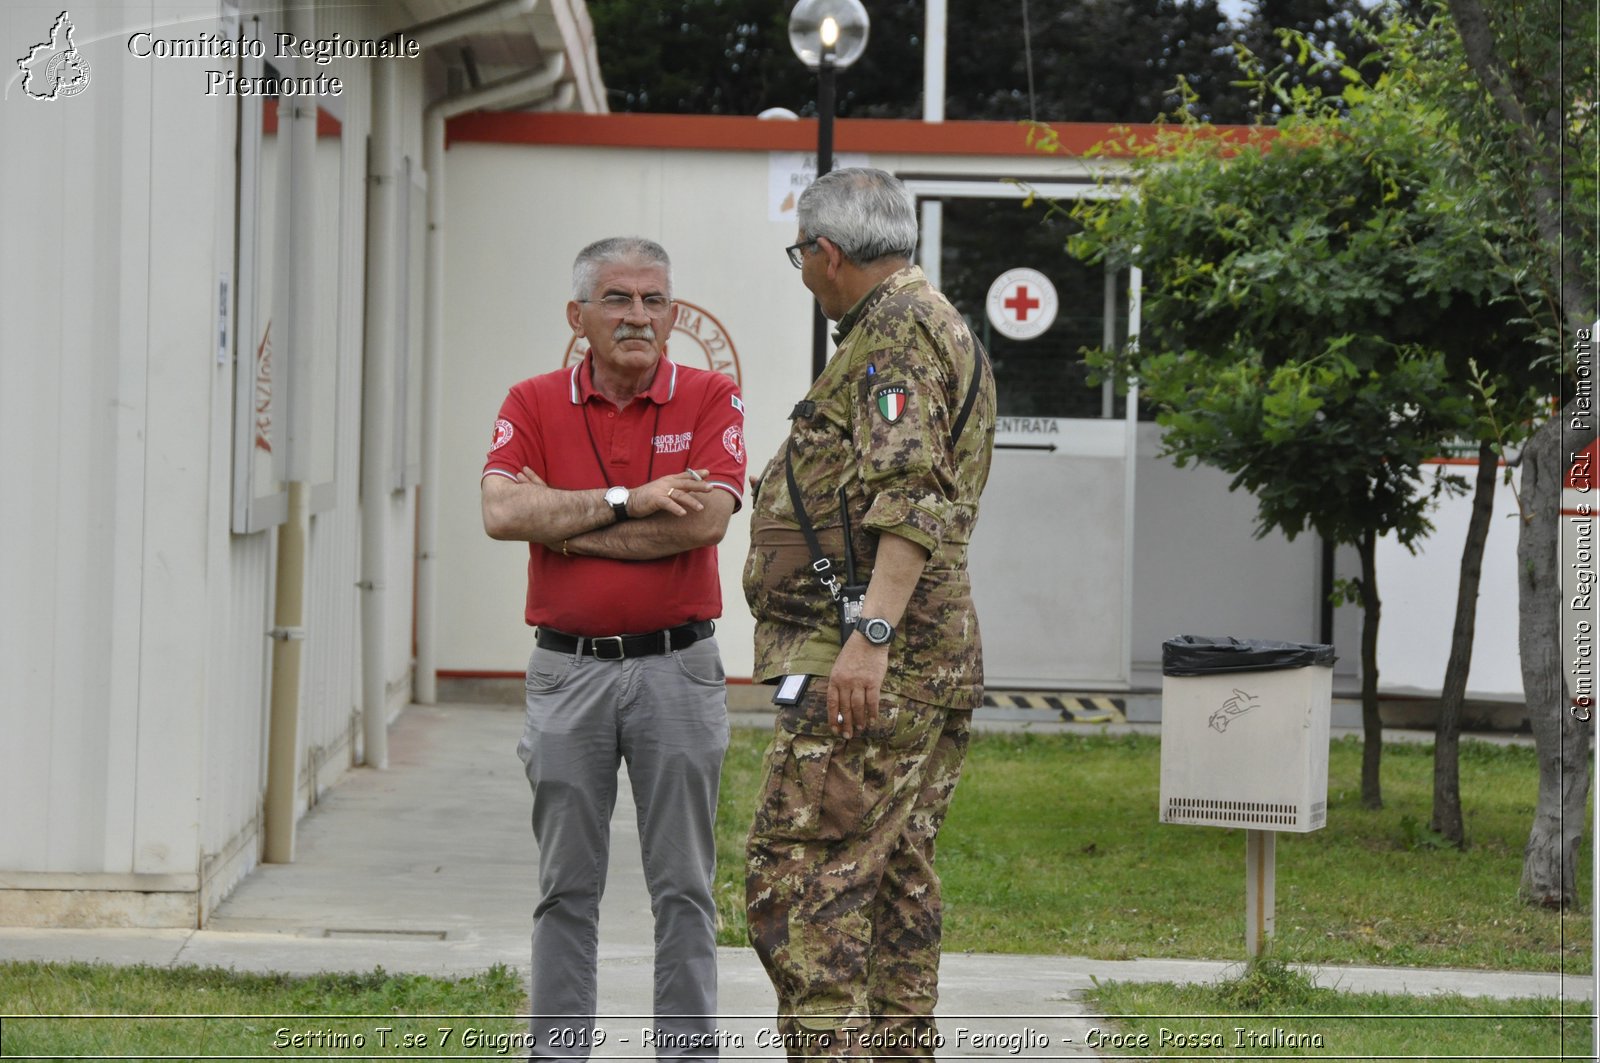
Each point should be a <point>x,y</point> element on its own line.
<point>621,473</point>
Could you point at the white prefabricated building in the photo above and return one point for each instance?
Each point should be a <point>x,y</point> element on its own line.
<point>211,411</point>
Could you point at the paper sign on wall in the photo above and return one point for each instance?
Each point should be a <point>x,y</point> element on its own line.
<point>790,172</point>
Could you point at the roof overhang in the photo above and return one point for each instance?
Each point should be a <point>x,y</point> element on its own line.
<point>508,40</point>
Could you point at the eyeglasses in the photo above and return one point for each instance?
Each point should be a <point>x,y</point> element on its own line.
<point>618,304</point>
<point>796,253</point>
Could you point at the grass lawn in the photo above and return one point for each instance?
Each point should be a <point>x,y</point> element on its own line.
<point>56,1011</point>
<point>1053,846</point>
<point>232,1015</point>
<point>1274,1012</point>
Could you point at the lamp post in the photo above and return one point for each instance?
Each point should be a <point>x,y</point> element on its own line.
<point>827,36</point>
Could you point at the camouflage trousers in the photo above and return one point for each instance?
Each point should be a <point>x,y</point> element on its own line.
<point>842,896</point>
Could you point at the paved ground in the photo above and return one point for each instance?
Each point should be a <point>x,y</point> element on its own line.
<point>429,867</point>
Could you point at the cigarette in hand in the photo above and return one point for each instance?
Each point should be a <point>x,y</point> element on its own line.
<point>695,474</point>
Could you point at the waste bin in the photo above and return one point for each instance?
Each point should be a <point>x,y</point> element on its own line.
<point>1244,733</point>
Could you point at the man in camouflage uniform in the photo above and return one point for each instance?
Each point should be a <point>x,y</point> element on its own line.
<point>843,899</point>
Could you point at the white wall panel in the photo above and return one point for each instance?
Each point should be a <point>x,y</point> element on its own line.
<point>331,651</point>
<point>235,746</point>
<point>135,643</point>
<point>168,352</point>
<point>332,660</point>
<point>1199,568</point>
<point>1049,588</point>
<point>402,518</point>
<point>1418,592</point>
<point>33,380</point>
<point>401,511</point>
<point>63,370</point>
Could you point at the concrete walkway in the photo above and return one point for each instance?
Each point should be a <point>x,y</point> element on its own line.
<point>429,867</point>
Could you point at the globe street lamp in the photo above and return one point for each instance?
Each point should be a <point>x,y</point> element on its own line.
<point>827,36</point>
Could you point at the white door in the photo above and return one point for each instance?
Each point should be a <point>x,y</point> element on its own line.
<point>1052,557</point>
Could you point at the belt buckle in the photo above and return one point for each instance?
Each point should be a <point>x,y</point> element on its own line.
<point>595,644</point>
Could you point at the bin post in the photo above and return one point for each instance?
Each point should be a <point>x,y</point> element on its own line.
<point>1260,889</point>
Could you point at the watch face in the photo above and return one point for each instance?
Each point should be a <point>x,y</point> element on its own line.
<point>877,631</point>
<point>616,496</point>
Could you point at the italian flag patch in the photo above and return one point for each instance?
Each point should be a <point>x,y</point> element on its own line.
<point>892,402</point>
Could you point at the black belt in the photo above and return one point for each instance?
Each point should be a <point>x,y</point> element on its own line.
<point>616,647</point>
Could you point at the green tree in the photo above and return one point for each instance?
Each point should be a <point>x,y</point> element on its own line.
<point>1532,102</point>
<point>1421,90</point>
<point>1091,61</point>
<point>1330,27</point>
<point>1313,300</point>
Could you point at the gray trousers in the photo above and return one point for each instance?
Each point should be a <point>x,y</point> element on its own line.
<point>667,716</point>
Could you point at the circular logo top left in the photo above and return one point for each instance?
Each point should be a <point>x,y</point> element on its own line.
<point>54,69</point>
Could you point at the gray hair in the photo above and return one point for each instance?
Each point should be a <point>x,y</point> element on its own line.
<point>869,214</point>
<point>612,250</point>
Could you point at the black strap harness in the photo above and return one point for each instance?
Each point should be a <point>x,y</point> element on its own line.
<point>820,565</point>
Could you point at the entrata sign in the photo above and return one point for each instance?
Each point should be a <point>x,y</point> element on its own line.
<point>1022,303</point>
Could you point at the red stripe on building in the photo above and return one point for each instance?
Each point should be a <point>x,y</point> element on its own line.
<point>709,132</point>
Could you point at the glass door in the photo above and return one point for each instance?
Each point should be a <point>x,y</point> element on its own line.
<point>1052,558</point>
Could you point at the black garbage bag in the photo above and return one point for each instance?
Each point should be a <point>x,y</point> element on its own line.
<point>1204,655</point>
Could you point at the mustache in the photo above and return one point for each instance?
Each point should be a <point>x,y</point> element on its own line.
<point>633,332</point>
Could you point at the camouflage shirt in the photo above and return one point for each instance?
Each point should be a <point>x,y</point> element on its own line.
<point>877,422</point>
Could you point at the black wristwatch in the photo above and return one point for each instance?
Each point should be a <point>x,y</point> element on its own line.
<point>875,630</point>
<point>617,499</point>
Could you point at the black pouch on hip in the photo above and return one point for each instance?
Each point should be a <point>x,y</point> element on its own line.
<point>851,595</point>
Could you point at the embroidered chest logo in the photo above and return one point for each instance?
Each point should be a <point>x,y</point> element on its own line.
<point>891,402</point>
<point>673,443</point>
<point>502,433</point>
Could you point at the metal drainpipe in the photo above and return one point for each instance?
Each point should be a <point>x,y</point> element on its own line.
<point>298,125</point>
<point>515,89</point>
<point>383,222</point>
<point>933,70</point>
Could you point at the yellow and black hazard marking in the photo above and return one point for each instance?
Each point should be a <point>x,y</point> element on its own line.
<point>1073,708</point>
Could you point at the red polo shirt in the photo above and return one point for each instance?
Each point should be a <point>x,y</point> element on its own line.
<point>559,426</point>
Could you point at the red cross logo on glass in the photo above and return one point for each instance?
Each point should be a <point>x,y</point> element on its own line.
<point>1022,304</point>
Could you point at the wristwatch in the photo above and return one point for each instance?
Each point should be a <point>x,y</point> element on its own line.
<point>617,499</point>
<point>875,630</point>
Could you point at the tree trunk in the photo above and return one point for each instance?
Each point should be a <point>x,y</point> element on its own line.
<point>1549,863</point>
<point>1371,722</point>
<point>1561,738</point>
<point>1447,819</point>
